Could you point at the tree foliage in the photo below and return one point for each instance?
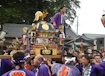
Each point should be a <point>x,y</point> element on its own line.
<point>22,11</point>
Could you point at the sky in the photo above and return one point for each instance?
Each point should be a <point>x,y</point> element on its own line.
<point>89,17</point>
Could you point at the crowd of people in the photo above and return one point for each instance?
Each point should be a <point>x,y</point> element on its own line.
<point>77,63</point>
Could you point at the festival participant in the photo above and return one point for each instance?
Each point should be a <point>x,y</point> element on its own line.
<point>27,63</point>
<point>75,62</point>
<point>103,54</point>
<point>94,52</point>
<point>5,64</point>
<point>27,57</point>
<point>33,67</point>
<point>41,69</point>
<point>102,64</point>
<point>18,59</point>
<point>80,55</point>
<point>67,69</point>
<point>76,53</point>
<point>59,19</point>
<point>97,58</point>
<point>32,62</point>
<point>79,65</point>
<point>90,70</point>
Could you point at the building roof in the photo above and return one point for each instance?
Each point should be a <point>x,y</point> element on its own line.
<point>14,30</point>
<point>84,44</point>
<point>78,39</point>
<point>93,36</point>
<point>71,33</point>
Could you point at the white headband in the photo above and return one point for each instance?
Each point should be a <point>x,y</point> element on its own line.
<point>68,60</point>
<point>27,56</point>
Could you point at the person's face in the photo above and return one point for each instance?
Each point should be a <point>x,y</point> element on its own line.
<point>97,59</point>
<point>63,10</point>
<point>37,61</point>
<point>103,54</point>
<point>76,54</point>
<point>93,55</point>
<point>90,55</point>
<point>32,62</point>
<point>81,54</point>
<point>84,61</point>
<point>72,63</point>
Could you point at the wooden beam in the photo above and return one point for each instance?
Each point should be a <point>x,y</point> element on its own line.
<point>45,56</point>
<point>5,56</point>
<point>50,56</point>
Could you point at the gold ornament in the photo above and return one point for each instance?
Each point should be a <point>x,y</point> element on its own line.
<point>33,25</point>
<point>40,15</point>
<point>38,25</point>
<point>25,29</point>
<point>57,31</point>
<point>61,28</point>
<point>46,52</point>
<point>43,22</point>
<point>45,26</point>
<point>44,14</point>
<point>52,26</point>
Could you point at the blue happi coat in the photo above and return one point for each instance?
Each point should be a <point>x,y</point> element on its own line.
<point>5,66</point>
<point>42,70</point>
<point>20,72</point>
<point>65,70</point>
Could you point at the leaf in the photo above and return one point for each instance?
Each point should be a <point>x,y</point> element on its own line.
<point>15,11</point>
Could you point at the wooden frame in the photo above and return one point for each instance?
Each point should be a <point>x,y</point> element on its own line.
<point>45,56</point>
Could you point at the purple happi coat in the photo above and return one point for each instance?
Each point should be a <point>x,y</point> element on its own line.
<point>34,70</point>
<point>79,66</point>
<point>96,70</point>
<point>102,64</point>
<point>65,70</point>
<point>5,66</point>
<point>44,70</point>
<point>57,19</point>
<point>20,72</point>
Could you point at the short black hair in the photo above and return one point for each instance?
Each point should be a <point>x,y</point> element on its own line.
<point>33,58</point>
<point>62,7</point>
<point>70,55</point>
<point>87,57</point>
<point>76,59</point>
<point>17,56</point>
<point>97,55</point>
<point>2,52</point>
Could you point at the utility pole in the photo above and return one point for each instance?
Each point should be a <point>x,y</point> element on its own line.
<point>77,24</point>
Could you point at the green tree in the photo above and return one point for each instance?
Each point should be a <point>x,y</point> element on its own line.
<point>23,11</point>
